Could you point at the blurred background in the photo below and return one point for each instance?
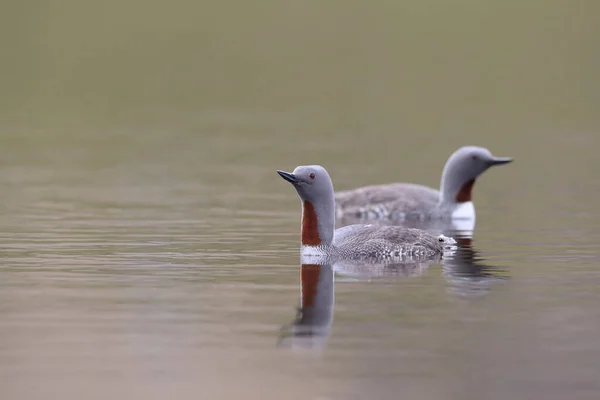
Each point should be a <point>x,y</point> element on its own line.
<point>149,248</point>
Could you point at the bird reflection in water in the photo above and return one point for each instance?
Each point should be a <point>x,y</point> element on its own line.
<point>312,326</point>
<point>466,270</point>
<point>463,269</point>
<point>400,267</point>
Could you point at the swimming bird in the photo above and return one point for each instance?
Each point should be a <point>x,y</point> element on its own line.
<point>356,242</point>
<point>409,201</point>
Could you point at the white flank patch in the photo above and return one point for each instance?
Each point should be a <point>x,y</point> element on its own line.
<point>464,211</point>
<point>463,217</point>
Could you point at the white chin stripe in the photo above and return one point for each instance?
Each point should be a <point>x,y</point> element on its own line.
<point>312,251</point>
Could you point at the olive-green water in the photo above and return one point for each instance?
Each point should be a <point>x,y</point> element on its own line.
<point>149,249</point>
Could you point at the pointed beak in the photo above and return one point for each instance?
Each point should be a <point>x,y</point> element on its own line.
<point>291,178</point>
<point>500,160</point>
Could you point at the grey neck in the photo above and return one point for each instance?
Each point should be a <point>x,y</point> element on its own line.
<point>453,179</point>
<point>325,210</point>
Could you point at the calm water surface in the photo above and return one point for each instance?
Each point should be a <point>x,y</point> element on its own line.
<point>174,273</point>
<point>149,249</point>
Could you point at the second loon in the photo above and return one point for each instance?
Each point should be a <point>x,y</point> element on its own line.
<point>408,201</point>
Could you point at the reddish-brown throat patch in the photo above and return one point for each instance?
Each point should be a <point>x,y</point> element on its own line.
<point>464,241</point>
<point>310,280</point>
<point>464,194</point>
<point>310,226</point>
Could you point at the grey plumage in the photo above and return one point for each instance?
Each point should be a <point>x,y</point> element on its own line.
<point>374,242</point>
<point>397,201</point>
<point>359,241</point>
<point>409,201</point>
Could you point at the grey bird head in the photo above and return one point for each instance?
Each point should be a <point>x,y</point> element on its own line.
<point>312,182</point>
<point>314,186</point>
<point>462,169</point>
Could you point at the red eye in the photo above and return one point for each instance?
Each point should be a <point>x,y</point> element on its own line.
<point>474,157</point>
<point>312,175</point>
